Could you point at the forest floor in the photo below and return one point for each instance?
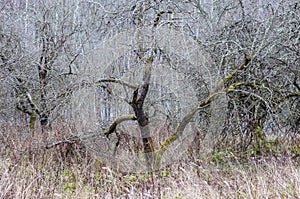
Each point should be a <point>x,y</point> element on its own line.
<point>68,171</point>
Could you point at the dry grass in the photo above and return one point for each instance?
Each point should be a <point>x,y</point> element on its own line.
<point>67,171</point>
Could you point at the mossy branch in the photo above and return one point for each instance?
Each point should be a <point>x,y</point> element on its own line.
<point>118,121</point>
<point>187,118</point>
<point>230,76</point>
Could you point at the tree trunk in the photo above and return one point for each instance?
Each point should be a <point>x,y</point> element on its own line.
<point>143,120</point>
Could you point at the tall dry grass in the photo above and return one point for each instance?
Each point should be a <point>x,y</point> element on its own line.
<point>68,171</point>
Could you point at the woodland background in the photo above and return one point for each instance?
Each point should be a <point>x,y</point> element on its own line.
<point>50,52</point>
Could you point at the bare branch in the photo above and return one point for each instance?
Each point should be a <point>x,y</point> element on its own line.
<point>117,81</point>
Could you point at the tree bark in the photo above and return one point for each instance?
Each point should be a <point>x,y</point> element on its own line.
<point>137,104</point>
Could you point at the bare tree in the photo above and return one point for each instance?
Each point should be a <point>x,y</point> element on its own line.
<point>50,37</point>
<point>264,31</point>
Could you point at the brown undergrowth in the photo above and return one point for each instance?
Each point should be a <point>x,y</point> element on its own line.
<point>68,170</point>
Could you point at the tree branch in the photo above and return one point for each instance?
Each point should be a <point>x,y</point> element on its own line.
<point>117,121</point>
<point>117,81</point>
<point>187,118</point>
